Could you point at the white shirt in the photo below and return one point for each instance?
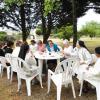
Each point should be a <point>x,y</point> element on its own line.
<point>68,50</point>
<point>33,48</point>
<point>16,51</point>
<point>84,55</point>
<point>95,70</point>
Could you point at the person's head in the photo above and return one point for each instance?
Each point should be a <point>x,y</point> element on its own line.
<point>18,43</point>
<point>10,44</point>
<point>39,43</point>
<point>80,44</point>
<point>66,43</point>
<point>50,43</point>
<point>97,51</point>
<point>33,42</point>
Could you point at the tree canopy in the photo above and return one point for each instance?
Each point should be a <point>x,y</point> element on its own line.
<point>91,29</point>
<point>23,15</point>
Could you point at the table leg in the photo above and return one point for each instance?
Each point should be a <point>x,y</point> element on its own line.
<point>40,61</point>
<point>58,61</point>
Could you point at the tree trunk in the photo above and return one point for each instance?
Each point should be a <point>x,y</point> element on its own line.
<point>23,24</point>
<point>74,23</point>
<point>43,21</point>
<point>43,28</point>
<point>49,27</point>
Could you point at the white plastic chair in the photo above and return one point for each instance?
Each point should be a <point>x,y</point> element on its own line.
<point>3,65</point>
<point>13,63</point>
<point>8,57</point>
<point>94,80</point>
<point>62,75</point>
<point>23,72</point>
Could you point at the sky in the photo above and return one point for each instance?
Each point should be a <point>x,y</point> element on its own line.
<point>90,16</point>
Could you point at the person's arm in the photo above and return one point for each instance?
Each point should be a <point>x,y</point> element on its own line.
<point>74,52</point>
<point>88,57</point>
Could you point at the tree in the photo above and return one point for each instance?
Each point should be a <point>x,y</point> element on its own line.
<point>74,23</point>
<point>2,35</point>
<point>91,29</point>
<point>65,32</point>
<point>52,13</point>
<point>20,14</point>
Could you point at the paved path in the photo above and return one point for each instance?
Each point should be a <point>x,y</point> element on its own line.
<point>9,91</point>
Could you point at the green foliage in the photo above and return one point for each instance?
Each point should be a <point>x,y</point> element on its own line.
<point>51,5</point>
<point>9,38</point>
<point>38,31</point>
<point>65,32</point>
<point>20,2</point>
<point>2,35</point>
<point>92,29</point>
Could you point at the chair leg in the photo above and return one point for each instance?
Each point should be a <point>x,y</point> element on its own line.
<point>73,89</point>
<point>8,72</point>
<point>58,92</point>
<point>28,85</point>
<point>1,70</point>
<point>98,92</point>
<point>40,79</point>
<point>81,87</point>
<point>49,82</point>
<point>19,84</point>
<point>11,75</point>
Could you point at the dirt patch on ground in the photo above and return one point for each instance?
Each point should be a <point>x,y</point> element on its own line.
<point>8,91</point>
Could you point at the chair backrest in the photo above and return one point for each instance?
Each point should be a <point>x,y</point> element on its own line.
<point>71,62</point>
<point>24,69</point>
<point>3,61</point>
<point>67,67</point>
<point>8,57</point>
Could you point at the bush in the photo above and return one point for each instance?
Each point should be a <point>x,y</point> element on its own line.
<point>2,35</point>
<point>38,32</point>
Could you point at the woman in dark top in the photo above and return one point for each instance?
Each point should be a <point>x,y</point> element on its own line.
<point>9,47</point>
<point>23,50</point>
<point>1,50</point>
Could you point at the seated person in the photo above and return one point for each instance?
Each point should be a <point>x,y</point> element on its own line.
<point>33,46</point>
<point>84,56</point>
<point>1,50</point>
<point>52,47</point>
<point>67,49</point>
<point>40,46</point>
<point>16,50</point>
<point>91,71</point>
<point>9,48</point>
<point>23,50</point>
<point>94,70</point>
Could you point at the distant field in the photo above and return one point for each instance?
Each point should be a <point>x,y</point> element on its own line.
<point>90,43</point>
